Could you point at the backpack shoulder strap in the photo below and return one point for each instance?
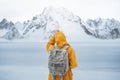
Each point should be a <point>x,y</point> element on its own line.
<point>56,46</point>
<point>65,47</point>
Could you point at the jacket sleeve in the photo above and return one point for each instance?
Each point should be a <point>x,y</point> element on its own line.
<point>72,58</point>
<point>50,44</point>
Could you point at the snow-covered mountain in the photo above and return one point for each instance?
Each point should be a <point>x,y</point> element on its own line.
<point>43,26</point>
<point>4,24</point>
<point>104,28</point>
<point>64,20</point>
<point>8,30</point>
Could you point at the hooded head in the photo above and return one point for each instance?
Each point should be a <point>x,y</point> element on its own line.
<point>60,39</point>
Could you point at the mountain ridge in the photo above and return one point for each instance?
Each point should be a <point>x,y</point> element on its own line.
<point>44,25</point>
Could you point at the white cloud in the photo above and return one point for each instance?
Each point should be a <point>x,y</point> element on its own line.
<point>21,10</point>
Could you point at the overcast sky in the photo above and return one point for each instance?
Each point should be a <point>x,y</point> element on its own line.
<point>22,10</point>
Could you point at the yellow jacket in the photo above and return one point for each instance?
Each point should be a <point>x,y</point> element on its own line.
<point>60,40</point>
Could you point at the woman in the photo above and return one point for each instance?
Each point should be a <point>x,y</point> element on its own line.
<point>60,39</point>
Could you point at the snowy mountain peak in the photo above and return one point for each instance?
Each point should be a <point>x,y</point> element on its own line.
<point>4,24</point>
<point>52,14</point>
<point>3,21</point>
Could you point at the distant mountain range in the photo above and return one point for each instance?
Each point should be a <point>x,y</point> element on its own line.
<point>44,25</point>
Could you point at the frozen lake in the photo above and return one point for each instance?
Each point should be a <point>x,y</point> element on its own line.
<point>28,61</point>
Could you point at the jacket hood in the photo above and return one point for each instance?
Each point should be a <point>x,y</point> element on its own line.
<point>60,39</point>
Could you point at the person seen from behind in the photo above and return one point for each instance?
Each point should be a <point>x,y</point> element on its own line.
<point>60,40</point>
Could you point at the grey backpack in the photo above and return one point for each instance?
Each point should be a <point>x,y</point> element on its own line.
<point>58,63</point>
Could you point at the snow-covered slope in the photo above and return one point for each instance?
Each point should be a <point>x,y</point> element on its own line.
<point>34,29</point>
<point>20,27</point>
